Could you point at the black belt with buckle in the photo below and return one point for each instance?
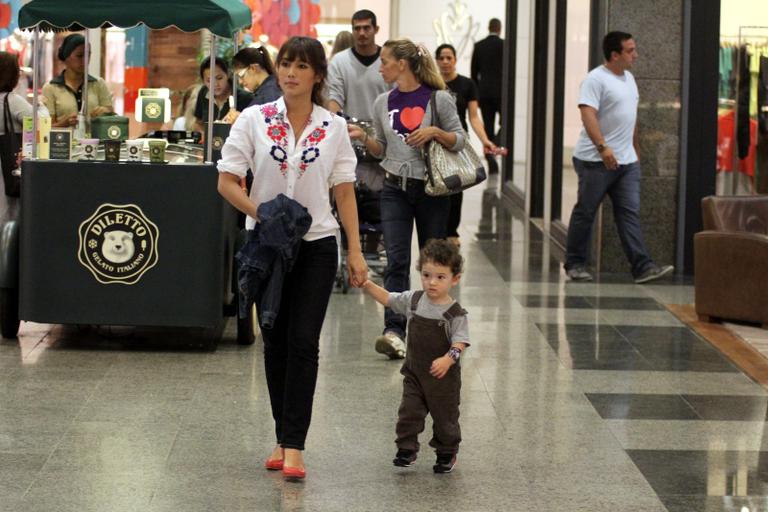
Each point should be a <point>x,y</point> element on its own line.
<point>397,181</point>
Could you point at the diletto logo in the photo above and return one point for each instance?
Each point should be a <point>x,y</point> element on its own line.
<point>118,244</point>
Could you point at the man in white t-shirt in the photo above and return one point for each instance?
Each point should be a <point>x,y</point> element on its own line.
<point>605,159</point>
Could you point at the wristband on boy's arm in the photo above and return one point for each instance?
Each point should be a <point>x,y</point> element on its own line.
<point>454,353</point>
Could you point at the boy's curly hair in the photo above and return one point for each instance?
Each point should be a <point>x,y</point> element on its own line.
<point>441,252</point>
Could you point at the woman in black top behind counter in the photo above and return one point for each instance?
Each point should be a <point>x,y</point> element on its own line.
<point>465,92</point>
<point>222,90</point>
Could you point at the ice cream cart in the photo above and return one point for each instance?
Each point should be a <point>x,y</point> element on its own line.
<point>123,243</point>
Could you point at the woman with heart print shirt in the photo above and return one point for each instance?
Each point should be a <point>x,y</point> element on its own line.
<point>403,122</point>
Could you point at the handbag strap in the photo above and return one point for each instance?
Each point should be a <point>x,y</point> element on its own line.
<point>433,107</point>
<point>8,122</point>
<point>424,151</point>
<point>7,116</point>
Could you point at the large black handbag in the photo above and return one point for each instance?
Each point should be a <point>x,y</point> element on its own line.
<point>10,149</point>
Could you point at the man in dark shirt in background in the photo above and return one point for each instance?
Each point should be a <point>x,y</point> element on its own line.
<point>486,73</point>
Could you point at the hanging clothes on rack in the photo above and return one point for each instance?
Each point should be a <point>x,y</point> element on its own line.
<point>726,68</point>
<point>742,145</point>
<point>726,101</point>
<point>762,123</point>
<point>742,122</point>
<point>762,95</point>
<point>728,56</point>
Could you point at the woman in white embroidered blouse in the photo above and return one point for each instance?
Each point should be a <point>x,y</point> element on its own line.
<point>295,147</point>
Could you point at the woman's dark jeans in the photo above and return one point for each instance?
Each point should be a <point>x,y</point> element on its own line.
<point>399,209</point>
<point>291,346</point>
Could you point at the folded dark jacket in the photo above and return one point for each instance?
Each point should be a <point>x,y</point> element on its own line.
<point>269,254</point>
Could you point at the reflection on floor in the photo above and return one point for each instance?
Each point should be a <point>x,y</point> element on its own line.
<point>577,397</point>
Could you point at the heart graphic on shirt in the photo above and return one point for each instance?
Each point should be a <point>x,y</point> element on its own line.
<point>411,117</point>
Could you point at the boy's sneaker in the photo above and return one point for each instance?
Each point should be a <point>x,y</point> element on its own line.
<point>653,273</point>
<point>578,274</point>
<point>404,458</point>
<point>445,463</point>
<point>391,344</point>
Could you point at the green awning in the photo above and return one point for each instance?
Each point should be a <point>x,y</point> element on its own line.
<point>222,17</point>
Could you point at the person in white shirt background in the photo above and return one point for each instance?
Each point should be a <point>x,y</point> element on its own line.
<point>606,162</point>
<point>297,148</point>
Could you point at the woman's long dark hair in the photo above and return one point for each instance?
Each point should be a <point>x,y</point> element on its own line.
<point>248,56</point>
<point>9,71</point>
<point>312,52</point>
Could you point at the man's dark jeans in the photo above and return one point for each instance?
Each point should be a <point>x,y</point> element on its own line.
<point>291,346</point>
<point>399,209</point>
<point>623,186</point>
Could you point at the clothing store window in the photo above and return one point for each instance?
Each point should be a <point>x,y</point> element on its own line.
<point>576,69</point>
<point>742,138</point>
<point>523,93</point>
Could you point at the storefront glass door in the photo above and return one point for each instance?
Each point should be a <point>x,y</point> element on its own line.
<point>520,150</point>
<point>575,69</point>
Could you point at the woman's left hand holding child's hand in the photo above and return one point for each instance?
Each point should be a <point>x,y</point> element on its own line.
<point>358,269</point>
<point>440,366</point>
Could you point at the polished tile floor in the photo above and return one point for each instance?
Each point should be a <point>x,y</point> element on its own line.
<point>577,397</point>
<point>752,334</point>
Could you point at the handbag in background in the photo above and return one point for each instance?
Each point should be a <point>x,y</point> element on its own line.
<point>10,149</point>
<point>450,172</point>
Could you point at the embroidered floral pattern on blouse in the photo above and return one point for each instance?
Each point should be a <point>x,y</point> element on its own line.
<point>311,152</point>
<point>269,111</point>
<point>317,134</point>
<point>277,131</point>
<point>279,155</point>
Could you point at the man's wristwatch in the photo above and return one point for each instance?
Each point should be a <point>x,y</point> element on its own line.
<point>601,148</point>
<point>454,353</point>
